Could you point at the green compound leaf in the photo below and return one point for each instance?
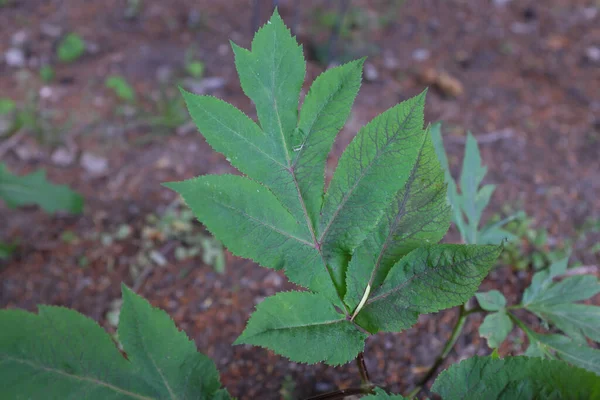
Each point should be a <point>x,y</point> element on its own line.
<point>381,394</point>
<point>249,220</point>
<point>372,169</point>
<point>516,378</point>
<point>324,113</point>
<point>304,327</point>
<point>427,280</point>
<point>491,301</point>
<point>576,320</point>
<point>554,301</point>
<point>453,197</point>
<point>418,215</point>
<point>570,289</point>
<point>495,328</point>
<point>271,75</point>
<point>468,205</point>
<point>31,189</point>
<point>298,182</point>
<point>567,349</point>
<point>60,354</point>
<point>544,279</point>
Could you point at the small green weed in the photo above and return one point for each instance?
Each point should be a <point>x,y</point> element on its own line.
<point>121,88</point>
<point>70,48</point>
<point>47,74</point>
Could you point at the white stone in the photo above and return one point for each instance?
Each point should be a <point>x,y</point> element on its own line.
<point>53,31</point>
<point>63,157</point>
<point>19,39</point>
<point>593,53</point>
<point>205,85</point>
<point>371,73</point>
<point>15,57</point>
<point>94,164</point>
<point>421,54</point>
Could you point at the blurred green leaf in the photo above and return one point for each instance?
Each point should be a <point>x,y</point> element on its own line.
<point>543,279</point>
<point>576,320</point>
<point>6,250</point>
<point>570,351</point>
<point>70,48</point>
<point>570,289</point>
<point>35,189</point>
<point>515,378</point>
<point>195,68</point>
<point>120,87</point>
<point>6,105</point>
<point>491,301</point>
<point>47,73</point>
<point>495,328</point>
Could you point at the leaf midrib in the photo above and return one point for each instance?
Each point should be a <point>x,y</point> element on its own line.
<point>361,176</point>
<point>570,355</point>
<point>399,215</point>
<point>291,170</point>
<point>339,87</point>
<point>567,316</point>
<point>211,115</point>
<point>425,272</point>
<point>291,327</point>
<point>76,377</point>
<point>272,227</point>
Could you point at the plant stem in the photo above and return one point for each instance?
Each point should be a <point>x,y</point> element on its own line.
<point>340,394</point>
<point>365,388</point>
<point>456,331</point>
<point>362,368</point>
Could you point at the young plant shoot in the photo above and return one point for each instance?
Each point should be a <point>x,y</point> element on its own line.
<point>364,248</point>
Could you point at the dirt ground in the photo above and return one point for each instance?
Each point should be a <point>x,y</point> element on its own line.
<point>523,76</point>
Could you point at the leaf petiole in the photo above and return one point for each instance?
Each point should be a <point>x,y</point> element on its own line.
<point>362,302</point>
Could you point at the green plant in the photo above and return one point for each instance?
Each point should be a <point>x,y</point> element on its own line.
<point>80,360</point>
<point>365,249</point>
<point>168,111</point>
<point>6,106</point>
<point>70,48</point>
<point>193,66</point>
<point>35,119</point>
<point>554,302</point>
<point>469,203</point>
<point>121,88</point>
<point>34,189</point>
<point>17,191</point>
<point>532,250</point>
<point>47,73</point>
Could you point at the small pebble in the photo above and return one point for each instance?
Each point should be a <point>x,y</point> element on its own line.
<point>371,73</point>
<point>19,39</point>
<point>204,86</point>
<point>94,164</point>
<point>421,54</point>
<point>53,31</point>
<point>593,53</point>
<point>63,157</point>
<point>15,57</point>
